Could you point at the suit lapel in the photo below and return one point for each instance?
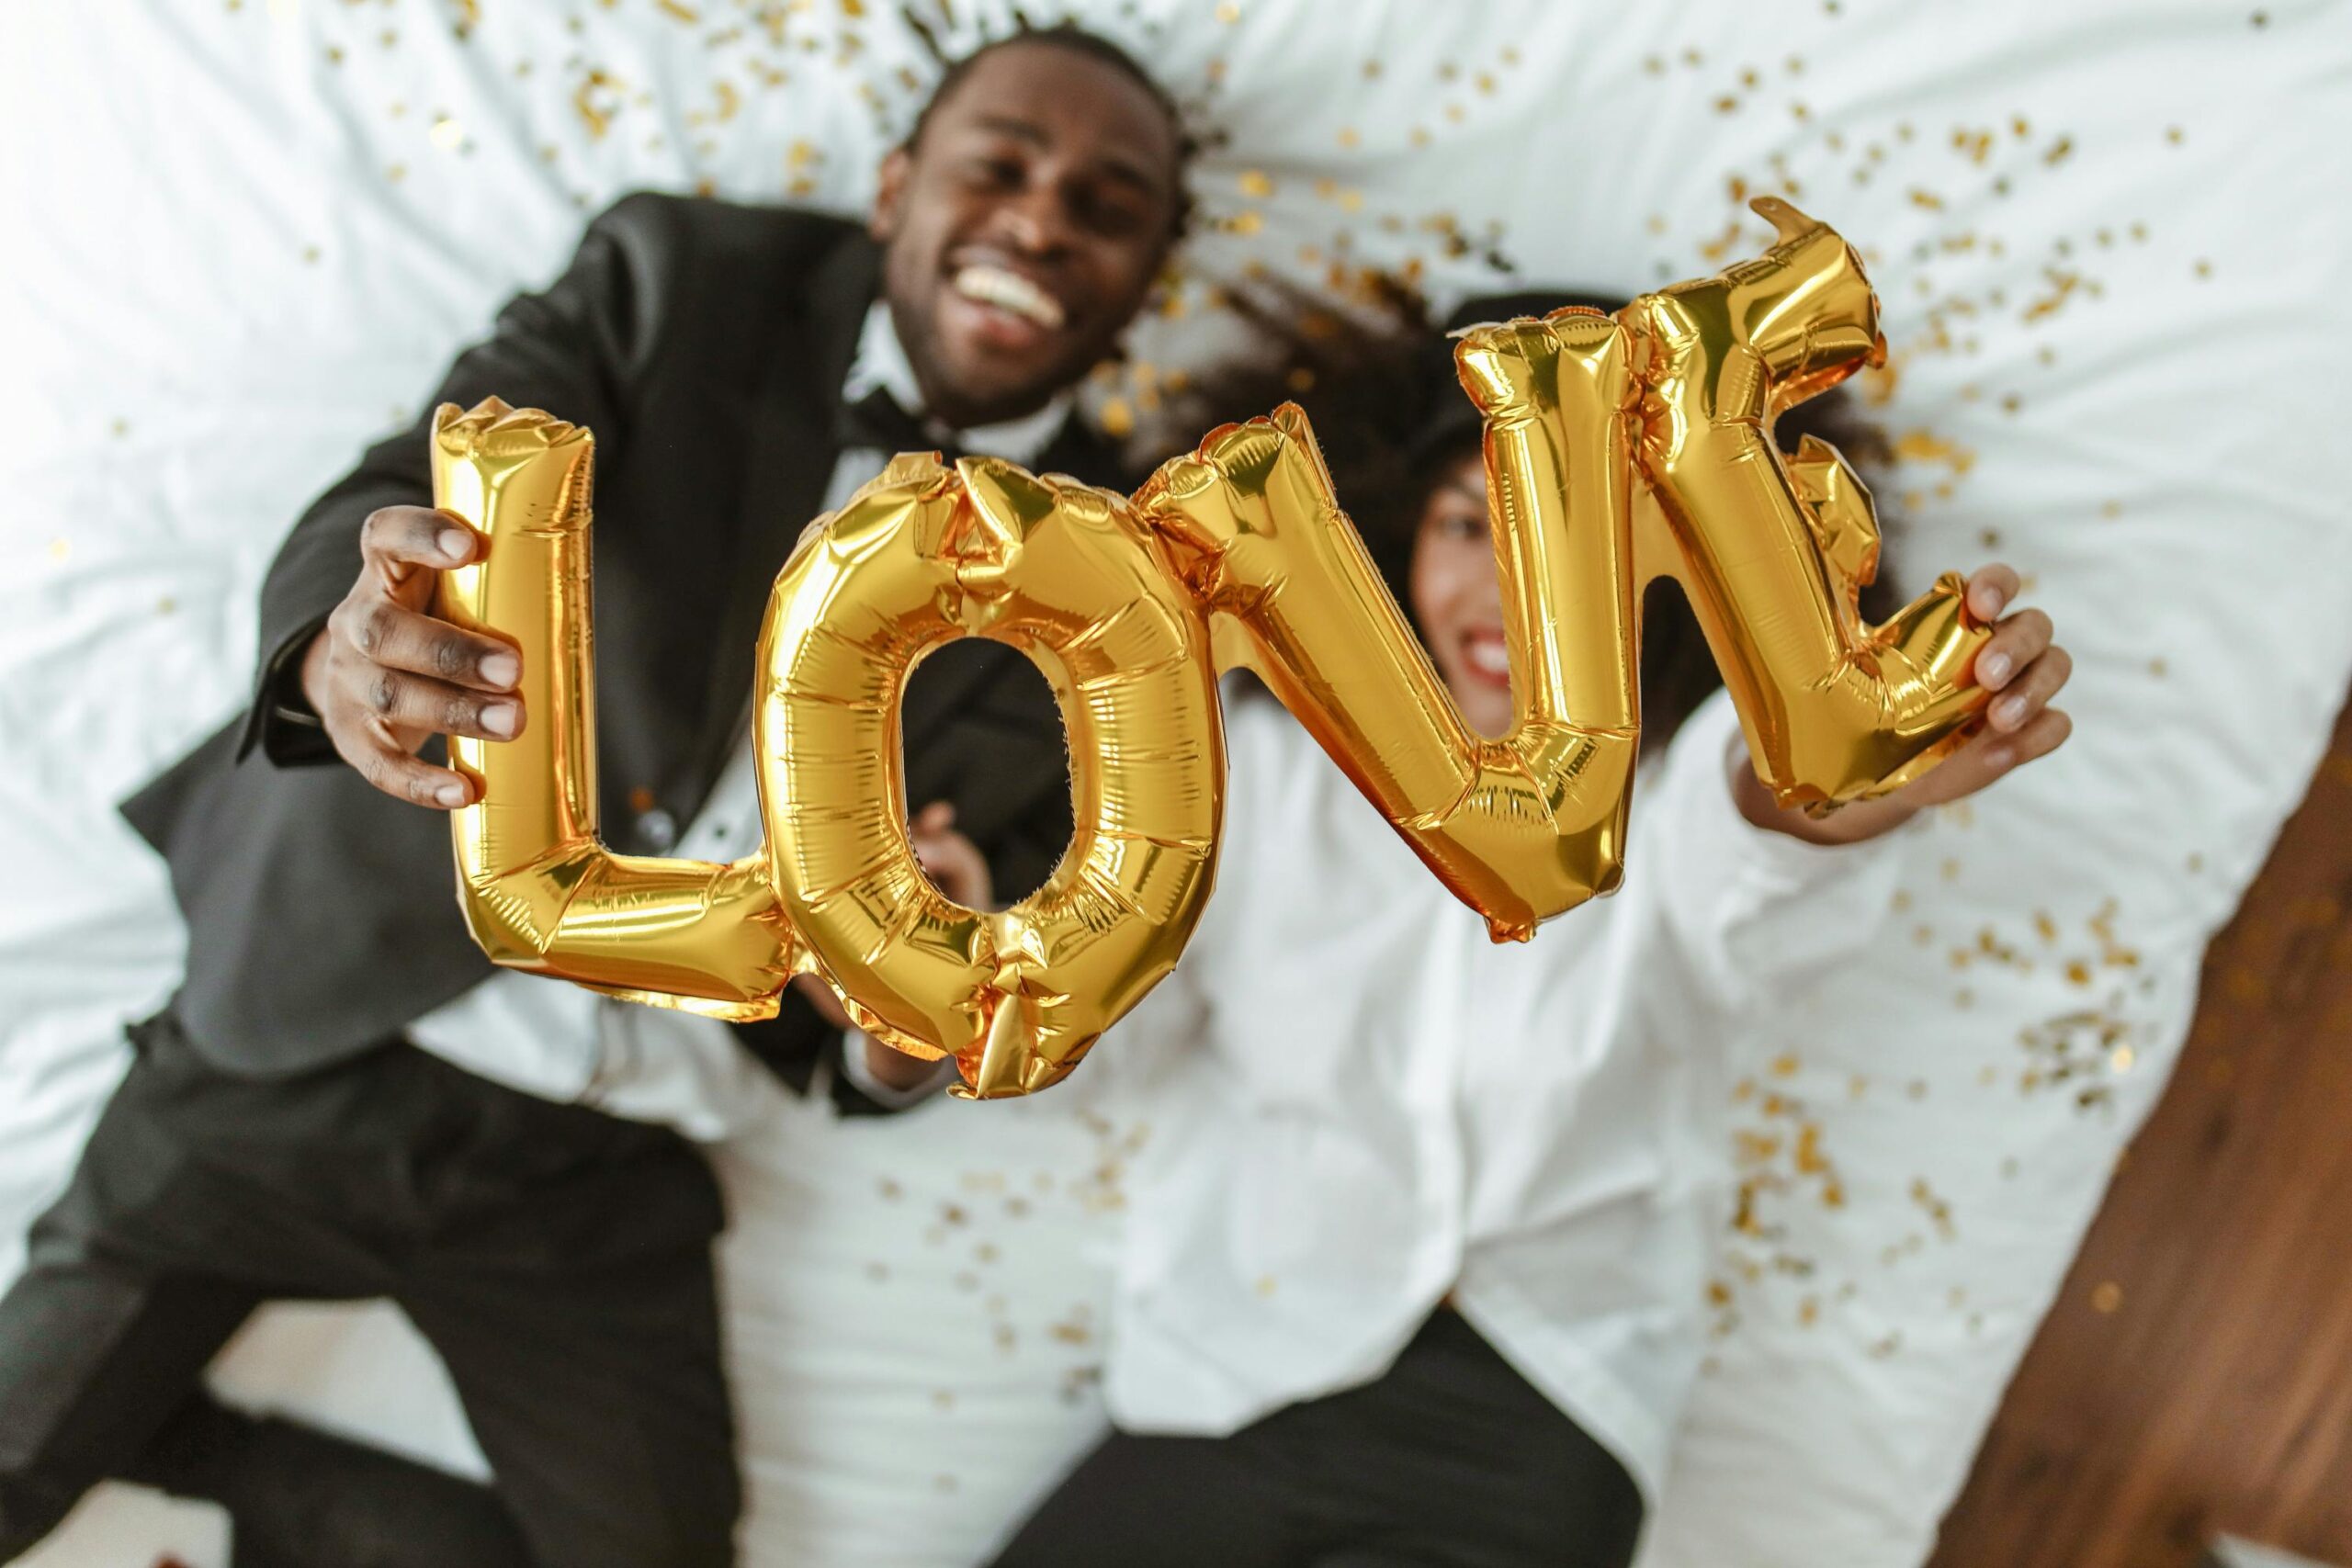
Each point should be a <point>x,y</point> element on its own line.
<point>791,449</point>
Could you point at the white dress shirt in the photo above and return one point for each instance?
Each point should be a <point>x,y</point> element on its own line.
<point>560,1041</point>
<point>1359,1103</point>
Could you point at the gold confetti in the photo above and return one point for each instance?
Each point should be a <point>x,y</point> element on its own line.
<point>2107,1297</point>
<point>586,101</point>
<point>1256,183</point>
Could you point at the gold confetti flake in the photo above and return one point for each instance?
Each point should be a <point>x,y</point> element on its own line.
<point>448,134</point>
<point>1350,136</point>
<point>2106,1297</point>
<point>1256,183</point>
<point>1228,12</point>
<point>596,100</point>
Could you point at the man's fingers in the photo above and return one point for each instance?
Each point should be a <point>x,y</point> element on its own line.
<point>391,634</point>
<point>397,540</point>
<point>398,700</point>
<point>1990,589</point>
<point>2031,692</point>
<point>411,779</point>
<point>2015,643</point>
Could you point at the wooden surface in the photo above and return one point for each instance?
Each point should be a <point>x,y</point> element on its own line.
<point>2195,1376</point>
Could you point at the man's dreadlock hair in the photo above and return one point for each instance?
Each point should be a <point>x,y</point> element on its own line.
<point>1064,35</point>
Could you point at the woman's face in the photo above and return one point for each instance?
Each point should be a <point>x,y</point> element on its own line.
<point>1456,600</point>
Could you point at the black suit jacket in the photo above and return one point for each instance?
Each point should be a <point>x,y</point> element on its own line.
<point>704,345</point>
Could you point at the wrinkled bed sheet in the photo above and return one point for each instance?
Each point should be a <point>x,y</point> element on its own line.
<point>243,236</point>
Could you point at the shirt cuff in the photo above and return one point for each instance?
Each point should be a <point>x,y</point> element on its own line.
<point>282,723</point>
<point>1760,908</point>
<point>861,1077</point>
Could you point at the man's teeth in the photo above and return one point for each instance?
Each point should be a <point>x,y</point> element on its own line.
<point>1488,656</point>
<point>1009,291</point>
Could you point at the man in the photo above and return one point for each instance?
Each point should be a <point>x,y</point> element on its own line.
<point>344,1100</point>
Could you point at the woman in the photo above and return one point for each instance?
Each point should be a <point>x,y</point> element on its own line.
<point>1414,1255</point>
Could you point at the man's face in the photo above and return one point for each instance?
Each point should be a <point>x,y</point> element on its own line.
<point>1025,229</point>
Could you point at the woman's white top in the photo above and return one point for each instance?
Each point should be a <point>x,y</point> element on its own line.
<point>1358,1103</point>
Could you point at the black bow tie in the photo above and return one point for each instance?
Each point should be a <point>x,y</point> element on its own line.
<point>877,421</point>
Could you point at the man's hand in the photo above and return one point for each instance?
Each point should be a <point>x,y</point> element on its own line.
<point>2019,665</point>
<point>384,673</point>
<point>956,864</point>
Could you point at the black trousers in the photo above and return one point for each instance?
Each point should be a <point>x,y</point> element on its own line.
<point>558,1260</point>
<point>1449,1459</point>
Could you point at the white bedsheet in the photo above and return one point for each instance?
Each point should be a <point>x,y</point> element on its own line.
<point>243,236</point>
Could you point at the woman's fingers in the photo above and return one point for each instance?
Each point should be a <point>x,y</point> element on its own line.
<point>2015,643</point>
<point>1990,591</point>
<point>2044,734</point>
<point>2031,692</point>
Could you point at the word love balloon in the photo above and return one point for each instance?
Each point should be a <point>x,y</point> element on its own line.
<point>1617,448</point>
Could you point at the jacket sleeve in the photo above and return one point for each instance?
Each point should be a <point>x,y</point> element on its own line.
<point>573,349</point>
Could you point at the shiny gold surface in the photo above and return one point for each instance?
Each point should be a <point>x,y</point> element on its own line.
<point>1523,828</point>
<point>539,892</point>
<point>1771,551</point>
<point>1616,449</point>
<point>918,558</point>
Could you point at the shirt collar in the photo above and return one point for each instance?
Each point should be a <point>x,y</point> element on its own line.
<point>881,365</point>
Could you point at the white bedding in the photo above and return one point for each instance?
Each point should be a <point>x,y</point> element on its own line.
<point>242,236</point>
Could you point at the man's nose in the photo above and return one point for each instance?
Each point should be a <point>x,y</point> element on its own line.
<point>1036,222</point>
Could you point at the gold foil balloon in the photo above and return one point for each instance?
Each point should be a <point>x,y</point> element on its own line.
<point>1617,449</point>
<point>539,892</point>
<point>1523,828</point>
<point>1065,572</point>
<point>918,557</point>
<point>1834,710</point>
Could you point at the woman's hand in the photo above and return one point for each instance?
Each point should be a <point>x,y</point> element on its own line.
<point>2020,666</point>
<point>958,869</point>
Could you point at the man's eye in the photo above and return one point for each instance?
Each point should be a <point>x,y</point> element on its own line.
<point>1000,173</point>
<point>1111,218</point>
<point>1463,526</point>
